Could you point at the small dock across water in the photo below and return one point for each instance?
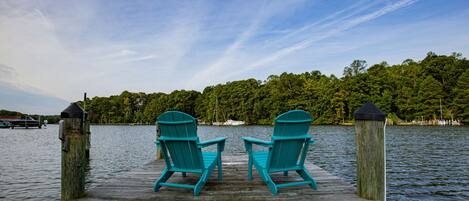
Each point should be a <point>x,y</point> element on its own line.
<point>137,185</point>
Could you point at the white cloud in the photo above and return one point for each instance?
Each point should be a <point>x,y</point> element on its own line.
<point>342,26</point>
<point>59,52</point>
<point>65,48</point>
<point>232,55</point>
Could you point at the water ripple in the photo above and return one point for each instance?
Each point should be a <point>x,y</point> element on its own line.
<point>423,163</point>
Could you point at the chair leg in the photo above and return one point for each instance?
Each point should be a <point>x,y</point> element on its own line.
<point>250,168</point>
<point>201,183</point>
<point>263,175</point>
<point>285,173</point>
<point>164,177</point>
<point>220,173</point>
<point>270,183</point>
<point>184,174</point>
<point>307,177</point>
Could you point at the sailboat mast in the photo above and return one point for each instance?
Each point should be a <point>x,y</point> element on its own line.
<point>84,106</point>
<point>216,109</point>
<point>441,111</point>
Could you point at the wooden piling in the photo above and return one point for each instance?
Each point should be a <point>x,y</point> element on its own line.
<point>86,128</point>
<point>371,164</point>
<point>73,134</point>
<point>159,153</point>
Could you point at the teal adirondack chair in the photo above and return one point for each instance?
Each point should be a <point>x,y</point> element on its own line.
<point>286,151</point>
<point>183,153</point>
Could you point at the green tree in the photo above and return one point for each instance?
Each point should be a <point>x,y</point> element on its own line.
<point>338,102</point>
<point>405,91</point>
<point>355,68</point>
<point>461,100</point>
<point>429,96</point>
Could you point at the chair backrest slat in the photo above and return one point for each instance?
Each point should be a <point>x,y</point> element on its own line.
<point>290,139</point>
<point>179,135</point>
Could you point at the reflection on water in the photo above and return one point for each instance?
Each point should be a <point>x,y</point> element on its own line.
<point>422,162</point>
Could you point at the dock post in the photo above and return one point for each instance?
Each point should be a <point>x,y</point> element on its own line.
<point>72,133</point>
<point>159,153</point>
<point>371,163</point>
<point>86,128</point>
<point>87,131</point>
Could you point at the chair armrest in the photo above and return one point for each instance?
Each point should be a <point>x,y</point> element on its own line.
<point>260,142</point>
<point>220,141</point>
<point>212,141</point>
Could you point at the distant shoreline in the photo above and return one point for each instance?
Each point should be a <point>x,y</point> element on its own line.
<point>341,124</point>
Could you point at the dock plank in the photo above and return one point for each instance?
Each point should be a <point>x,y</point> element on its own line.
<point>137,185</point>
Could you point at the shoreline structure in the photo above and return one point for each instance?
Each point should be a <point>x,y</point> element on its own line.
<point>347,123</point>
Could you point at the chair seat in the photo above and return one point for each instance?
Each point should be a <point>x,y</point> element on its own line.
<point>260,158</point>
<point>209,158</point>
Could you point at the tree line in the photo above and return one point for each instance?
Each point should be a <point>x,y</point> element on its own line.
<point>407,91</point>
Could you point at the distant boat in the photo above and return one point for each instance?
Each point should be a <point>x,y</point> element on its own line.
<point>45,123</point>
<point>215,114</point>
<point>5,124</point>
<point>230,122</point>
<point>217,123</point>
<point>455,123</point>
<point>441,121</point>
<point>26,122</point>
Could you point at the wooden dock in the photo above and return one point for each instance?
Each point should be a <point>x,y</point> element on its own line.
<point>137,185</point>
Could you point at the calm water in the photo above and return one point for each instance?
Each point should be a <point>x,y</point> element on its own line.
<point>423,163</point>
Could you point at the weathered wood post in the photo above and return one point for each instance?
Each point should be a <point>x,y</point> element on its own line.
<point>87,130</point>
<point>72,133</point>
<point>159,153</point>
<point>371,164</point>
<point>88,140</point>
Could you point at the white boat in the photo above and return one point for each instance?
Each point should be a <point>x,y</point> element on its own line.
<point>455,123</point>
<point>217,123</point>
<point>230,122</point>
<point>441,122</point>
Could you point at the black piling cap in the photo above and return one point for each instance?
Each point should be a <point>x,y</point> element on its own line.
<point>73,111</point>
<point>369,112</point>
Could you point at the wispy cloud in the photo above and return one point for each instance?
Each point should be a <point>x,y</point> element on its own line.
<point>7,73</point>
<point>229,54</point>
<point>65,48</point>
<point>329,20</point>
<point>41,46</point>
<point>236,54</point>
<point>340,27</point>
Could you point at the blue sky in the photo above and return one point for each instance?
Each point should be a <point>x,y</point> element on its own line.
<point>53,51</point>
